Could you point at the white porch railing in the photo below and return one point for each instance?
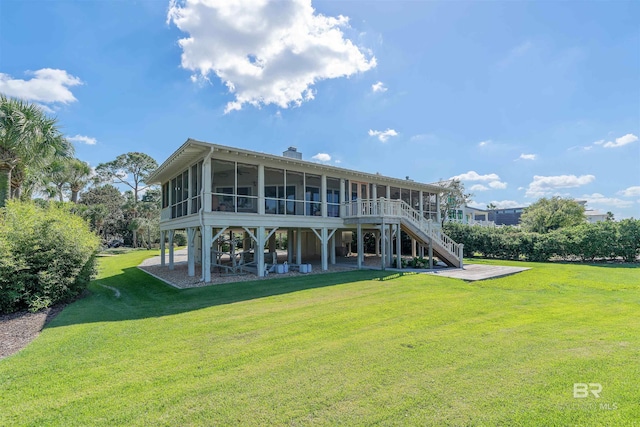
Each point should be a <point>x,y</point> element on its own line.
<point>401,209</point>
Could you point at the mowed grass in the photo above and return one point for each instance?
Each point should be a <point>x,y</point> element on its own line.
<point>356,348</point>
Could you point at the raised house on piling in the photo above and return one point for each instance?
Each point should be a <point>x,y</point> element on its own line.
<point>232,202</point>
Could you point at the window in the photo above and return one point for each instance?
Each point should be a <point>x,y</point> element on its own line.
<point>395,193</point>
<point>294,192</point>
<point>179,195</point>
<point>333,197</point>
<point>275,198</point>
<point>196,187</point>
<point>429,206</point>
<point>235,186</point>
<point>274,195</point>
<point>165,195</point>
<point>312,206</point>
<point>381,191</point>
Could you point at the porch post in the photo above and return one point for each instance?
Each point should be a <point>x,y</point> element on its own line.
<point>261,203</point>
<point>374,197</point>
<point>290,246</point>
<point>162,247</point>
<point>171,234</point>
<point>206,189</point>
<point>376,235</point>
<point>430,254</point>
<point>323,196</point>
<point>390,245</point>
<point>413,247</point>
<point>189,181</point>
<point>342,198</point>
<point>438,214</point>
<point>421,205</point>
<point>324,249</point>
<point>360,246</point>
<point>332,249</point>
<point>398,247</point>
<point>191,256</point>
<point>259,251</point>
<point>299,246</point>
<point>206,252</point>
<point>383,245</point>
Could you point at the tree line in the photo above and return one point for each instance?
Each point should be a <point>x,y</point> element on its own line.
<point>38,163</point>
<point>552,229</point>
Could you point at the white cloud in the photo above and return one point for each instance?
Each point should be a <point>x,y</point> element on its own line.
<point>599,142</point>
<point>543,185</point>
<point>378,87</point>
<point>601,200</point>
<point>478,187</point>
<point>383,135</point>
<point>492,179</point>
<point>47,85</point>
<point>474,176</point>
<point>322,157</point>
<point>82,139</point>
<point>265,52</point>
<point>527,156</point>
<point>484,143</point>
<point>630,192</point>
<point>622,141</point>
<point>508,204</point>
<point>498,185</point>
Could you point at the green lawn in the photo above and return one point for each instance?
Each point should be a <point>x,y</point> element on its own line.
<point>357,348</point>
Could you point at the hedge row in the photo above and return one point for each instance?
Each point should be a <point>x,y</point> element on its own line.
<point>602,240</point>
<point>47,255</point>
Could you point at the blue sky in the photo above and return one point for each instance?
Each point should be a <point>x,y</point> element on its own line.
<point>518,99</point>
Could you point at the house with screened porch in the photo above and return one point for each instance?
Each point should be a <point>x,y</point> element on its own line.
<point>233,202</point>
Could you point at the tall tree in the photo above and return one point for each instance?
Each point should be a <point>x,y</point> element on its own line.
<point>452,197</point>
<point>56,176</point>
<point>131,169</point>
<point>78,175</point>
<point>104,209</point>
<point>27,136</point>
<point>551,214</point>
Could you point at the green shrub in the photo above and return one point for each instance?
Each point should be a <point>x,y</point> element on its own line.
<point>602,240</point>
<point>628,245</point>
<point>48,256</point>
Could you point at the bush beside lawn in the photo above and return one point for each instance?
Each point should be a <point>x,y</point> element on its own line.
<point>356,348</point>
<point>47,256</point>
<point>605,240</point>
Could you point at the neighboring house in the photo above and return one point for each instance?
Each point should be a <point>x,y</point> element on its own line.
<point>228,198</point>
<point>509,216</point>
<point>471,216</point>
<point>595,215</point>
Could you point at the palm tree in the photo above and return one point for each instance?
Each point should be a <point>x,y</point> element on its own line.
<point>27,136</point>
<point>79,173</point>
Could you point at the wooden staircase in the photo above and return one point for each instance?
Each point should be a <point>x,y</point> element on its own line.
<point>412,223</point>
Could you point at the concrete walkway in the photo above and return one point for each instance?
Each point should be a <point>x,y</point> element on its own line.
<point>473,272</point>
